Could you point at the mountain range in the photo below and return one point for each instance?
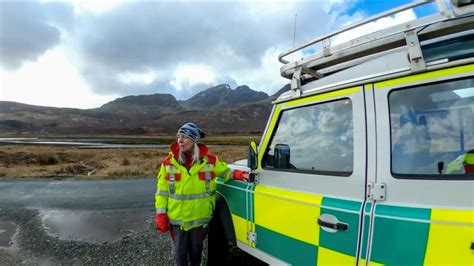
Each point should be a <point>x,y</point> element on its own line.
<point>218,109</point>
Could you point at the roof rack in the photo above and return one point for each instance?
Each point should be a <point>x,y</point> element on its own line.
<point>333,58</point>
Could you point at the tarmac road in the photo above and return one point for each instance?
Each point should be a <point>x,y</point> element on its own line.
<point>81,194</point>
<point>44,222</point>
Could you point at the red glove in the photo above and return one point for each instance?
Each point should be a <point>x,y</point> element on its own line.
<point>240,175</point>
<point>161,222</point>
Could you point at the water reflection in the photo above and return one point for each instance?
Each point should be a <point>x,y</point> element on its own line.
<point>8,230</point>
<point>93,227</point>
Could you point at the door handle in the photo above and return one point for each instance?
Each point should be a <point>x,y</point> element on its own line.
<point>335,226</point>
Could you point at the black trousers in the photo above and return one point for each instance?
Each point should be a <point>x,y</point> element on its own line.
<point>187,244</point>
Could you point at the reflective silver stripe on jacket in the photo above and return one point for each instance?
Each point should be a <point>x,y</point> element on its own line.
<point>161,210</point>
<point>171,182</point>
<point>207,167</point>
<point>171,169</point>
<point>162,193</point>
<point>186,196</point>
<point>191,196</point>
<point>191,223</point>
<point>208,181</point>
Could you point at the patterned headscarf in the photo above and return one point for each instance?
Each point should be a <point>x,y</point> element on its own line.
<point>192,131</point>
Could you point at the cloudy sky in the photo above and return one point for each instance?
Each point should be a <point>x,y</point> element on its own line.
<point>83,54</point>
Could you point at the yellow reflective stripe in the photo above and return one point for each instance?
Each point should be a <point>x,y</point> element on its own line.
<point>331,257</point>
<point>323,96</point>
<point>263,147</point>
<point>458,216</point>
<point>428,75</point>
<point>299,197</point>
<point>304,208</point>
<point>240,228</point>
<point>449,243</point>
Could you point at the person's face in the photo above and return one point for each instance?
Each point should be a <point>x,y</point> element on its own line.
<point>185,143</point>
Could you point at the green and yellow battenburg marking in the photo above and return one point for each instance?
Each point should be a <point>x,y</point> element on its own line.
<point>289,231</point>
<point>430,236</point>
<point>239,196</point>
<point>286,226</point>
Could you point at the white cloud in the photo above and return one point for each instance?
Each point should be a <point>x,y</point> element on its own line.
<point>123,48</point>
<point>377,25</point>
<point>96,6</point>
<point>145,78</point>
<point>51,81</point>
<point>188,76</point>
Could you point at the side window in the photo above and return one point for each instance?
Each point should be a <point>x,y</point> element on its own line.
<point>432,131</point>
<point>316,138</point>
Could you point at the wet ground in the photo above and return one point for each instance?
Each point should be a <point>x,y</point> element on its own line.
<point>8,230</point>
<point>84,223</point>
<point>27,239</point>
<point>93,226</point>
<point>34,237</point>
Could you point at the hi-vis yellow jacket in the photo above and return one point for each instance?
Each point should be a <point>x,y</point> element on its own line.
<point>188,196</point>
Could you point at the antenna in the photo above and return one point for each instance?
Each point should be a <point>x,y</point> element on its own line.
<point>294,35</point>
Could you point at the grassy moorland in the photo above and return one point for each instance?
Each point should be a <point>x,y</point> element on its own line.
<point>45,161</point>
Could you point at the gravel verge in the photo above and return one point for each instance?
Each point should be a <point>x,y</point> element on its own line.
<point>143,247</point>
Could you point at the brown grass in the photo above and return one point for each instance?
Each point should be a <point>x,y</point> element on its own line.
<point>41,161</point>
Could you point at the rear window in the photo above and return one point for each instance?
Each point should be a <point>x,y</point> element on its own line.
<point>432,131</point>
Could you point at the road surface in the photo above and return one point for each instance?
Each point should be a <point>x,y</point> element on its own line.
<point>56,222</point>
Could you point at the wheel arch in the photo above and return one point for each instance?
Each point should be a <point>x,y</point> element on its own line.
<point>222,212</point>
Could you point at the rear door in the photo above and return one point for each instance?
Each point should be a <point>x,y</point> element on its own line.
<point>309,198</point>
<point>425,133</point>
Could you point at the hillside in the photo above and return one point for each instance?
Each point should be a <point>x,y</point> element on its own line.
<point>223,95</point>
<point>218,109</point>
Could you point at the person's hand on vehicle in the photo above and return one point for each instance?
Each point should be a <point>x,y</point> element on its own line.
<point>240,175</point>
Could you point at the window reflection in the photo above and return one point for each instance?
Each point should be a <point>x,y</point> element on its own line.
<point>432,129</point>
<point>314,138</point>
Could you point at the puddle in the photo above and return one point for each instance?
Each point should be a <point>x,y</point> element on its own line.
<point>8,230</point>
<point>93,227</point>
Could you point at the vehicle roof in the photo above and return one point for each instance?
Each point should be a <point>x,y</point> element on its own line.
<point>378,55</point>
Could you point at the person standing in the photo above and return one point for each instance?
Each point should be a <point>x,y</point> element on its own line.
<point>186,188</point>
